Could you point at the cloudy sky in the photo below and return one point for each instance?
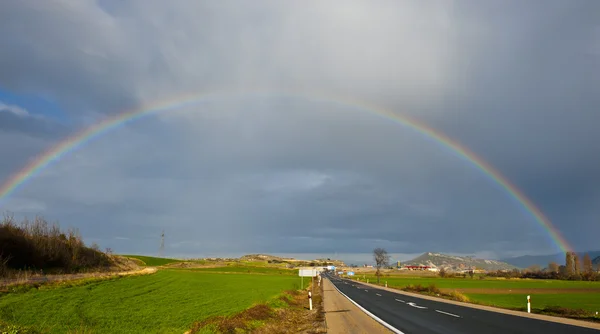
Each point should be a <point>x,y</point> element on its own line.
<point>281,160</point>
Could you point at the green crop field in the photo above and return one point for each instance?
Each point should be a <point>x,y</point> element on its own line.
<point>166,302</point>
<point>153,261</point>
<point>509,293</point>
<point>586,301</point>
<point>488,283</point>
<point>249,269</point>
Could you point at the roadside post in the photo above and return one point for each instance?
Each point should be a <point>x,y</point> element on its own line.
<point>528,304</point>
<point>386,284</point>
<point>310,300</point>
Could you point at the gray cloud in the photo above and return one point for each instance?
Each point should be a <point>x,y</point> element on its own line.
<point>515,83</point>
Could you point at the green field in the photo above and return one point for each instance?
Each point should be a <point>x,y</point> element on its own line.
<point>249,269</point>
<point>488,283</point>
<point>166,302</point>
<point>153,261</point>
<point>586,301</point>
<point>510,293</point>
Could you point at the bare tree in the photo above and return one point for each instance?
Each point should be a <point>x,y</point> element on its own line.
<point>382,259</point>
<point>553,267</point>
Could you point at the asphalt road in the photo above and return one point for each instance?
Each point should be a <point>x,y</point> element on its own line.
<point>409,314</point>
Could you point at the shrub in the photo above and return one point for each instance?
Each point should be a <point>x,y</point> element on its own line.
<point>37,246</point>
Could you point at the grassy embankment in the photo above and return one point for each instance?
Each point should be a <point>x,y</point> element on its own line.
<point>577,299</point>
<point>170,301</point>
<point>152,261</point>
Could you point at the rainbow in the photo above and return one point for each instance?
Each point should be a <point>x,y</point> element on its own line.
<point>83,137</point>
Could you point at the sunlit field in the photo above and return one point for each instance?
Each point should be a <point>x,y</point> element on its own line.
<point>169,301</point>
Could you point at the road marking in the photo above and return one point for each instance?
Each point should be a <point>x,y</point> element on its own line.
<point>390,327</point>
<point>402,301</point>
<point>366,290</point>
<point>378,294</point>
<point>415,305</point>
<point>446,313</point>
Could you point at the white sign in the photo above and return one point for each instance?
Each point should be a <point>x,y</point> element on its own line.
<point>350,273</point>
<point>307,272</point>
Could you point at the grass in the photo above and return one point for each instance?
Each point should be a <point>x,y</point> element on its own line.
<point>152,261</point>
<point>585,301</point>
<point>488,283</point>
<point>249,269</point>
<point>169,301</point>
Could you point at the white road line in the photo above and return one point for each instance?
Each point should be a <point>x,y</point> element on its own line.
<point>415,305</point>
<point>366,290</point>
<point>378,294</point>
<point>402,301</point>
<point>390,327</point>
<point>446,313</point>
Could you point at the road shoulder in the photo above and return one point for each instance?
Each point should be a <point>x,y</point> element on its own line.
<point>344,317</point>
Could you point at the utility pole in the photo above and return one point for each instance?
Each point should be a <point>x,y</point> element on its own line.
<point>162,244</point>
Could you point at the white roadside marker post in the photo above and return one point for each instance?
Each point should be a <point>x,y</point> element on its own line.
<point>528,304</point>
<point>367,280</point>
<point>386,284</point>
<point>310,300</point>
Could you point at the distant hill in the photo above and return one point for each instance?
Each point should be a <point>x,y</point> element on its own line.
<point>596,261</point>
<point>452,262</point>
<point>296,262</point>
<point>543,260</point>
<point>260,257</point>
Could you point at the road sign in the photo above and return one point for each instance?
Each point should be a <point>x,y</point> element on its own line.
<point>350,273</point>
<point>307,272</point>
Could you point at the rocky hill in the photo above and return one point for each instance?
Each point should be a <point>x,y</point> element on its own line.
<point>456,263</point>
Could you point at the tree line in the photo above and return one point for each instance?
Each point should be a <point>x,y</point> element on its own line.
<point>38,246</point>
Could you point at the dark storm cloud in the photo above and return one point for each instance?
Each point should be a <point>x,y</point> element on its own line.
<point>515,82</point>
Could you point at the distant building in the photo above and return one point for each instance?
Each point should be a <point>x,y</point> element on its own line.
<point>417,267</point>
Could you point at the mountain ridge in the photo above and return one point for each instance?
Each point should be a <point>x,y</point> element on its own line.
<point>457,263</point>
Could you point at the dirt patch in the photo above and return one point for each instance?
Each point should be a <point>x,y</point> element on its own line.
<point>525,291</point>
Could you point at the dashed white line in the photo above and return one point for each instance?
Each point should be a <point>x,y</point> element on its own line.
<point>378,294</point>
<point>446,313</point>
<point>402,301</point>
